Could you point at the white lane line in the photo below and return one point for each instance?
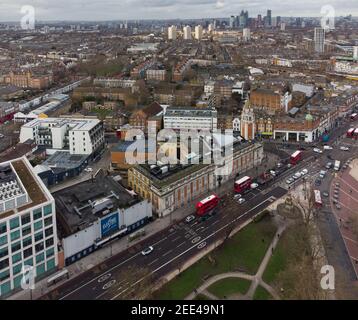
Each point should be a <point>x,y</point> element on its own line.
<point>159,241</point>
<point>154,261</point>
<point>195,245</point>
<point>215,222</point>
<point>179,245</point>
<point>177,238</point>
<point>165,254</point>
<point>96,278</point>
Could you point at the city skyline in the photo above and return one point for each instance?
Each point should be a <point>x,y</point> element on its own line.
<point>80,10</point>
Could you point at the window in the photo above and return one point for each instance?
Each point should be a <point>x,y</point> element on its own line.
<point>4,264</point>
<point>29,262</point>
<point>25,219</point>
<point>40,258</point>
<point>49,242</point>
<point>26,231</point>
<point>3,228</point>
<point>15,235</point>
<point>48,232</point>
<point>50,252</point>
<point>3,240</point>
<point>26,242</point>
<point>39,247</point>
<point>48,210</point>
<point>4,275</point>
<point>14,223</point>
<point>17,269</point>
<point>37,225</point>
<point>37,214</point>
<point>4,252</point>
<point>16,246</point>
<point>39,236</point>
<point>48,221</point>
<point>16,257</point>
<point>27,253</point>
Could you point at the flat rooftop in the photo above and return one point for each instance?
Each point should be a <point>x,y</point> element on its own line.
<point>81,205</point>
<point>63,161</point>
<point>75,124</point>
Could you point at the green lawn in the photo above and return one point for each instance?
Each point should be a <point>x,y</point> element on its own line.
<point>244,251</point>
<point>277,262</point>
<point>226,287</point>
<point>262,294</point>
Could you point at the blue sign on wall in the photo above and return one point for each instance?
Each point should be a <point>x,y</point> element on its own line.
<point>109,224</point>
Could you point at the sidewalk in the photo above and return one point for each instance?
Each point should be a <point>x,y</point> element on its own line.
<point>122,244</point>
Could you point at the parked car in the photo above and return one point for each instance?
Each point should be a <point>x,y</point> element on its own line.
<point>322,174</point>
<point>344,148</point>
<point>189,218</point>
<point>1,136</point>
<point>317,150</point>
<point>298,175</point>
<point>325,194</point>
<point>304,172</point>
<point>254,186</point>
<point>329,165</point>
<point>88,170</point>
<point>147,251</point>
<point>289,180</point>
<point>273,173</point>
<point>237,196</point>
<point>241,201</point>
<point>327,148</point>
<point>318,182</point>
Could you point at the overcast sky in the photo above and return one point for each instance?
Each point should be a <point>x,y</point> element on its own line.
<point>10,10</point>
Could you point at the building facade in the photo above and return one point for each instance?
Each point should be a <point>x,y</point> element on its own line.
<point>28,234</point>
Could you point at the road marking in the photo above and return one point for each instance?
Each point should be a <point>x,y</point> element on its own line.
<point>177,238</point>
<point>195,245</point>
<point>109,284</point>
<point>201,245</point>
<point>159,241</point>
<point>179,245</point>
<point>215,222</point>
<point>154,261</point>
<point>165,254</point>
<point>96,278</point>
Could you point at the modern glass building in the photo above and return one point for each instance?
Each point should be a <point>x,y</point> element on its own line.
<point>28,235</point>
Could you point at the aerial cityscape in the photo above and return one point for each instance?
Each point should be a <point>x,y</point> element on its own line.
<point>179,150</point>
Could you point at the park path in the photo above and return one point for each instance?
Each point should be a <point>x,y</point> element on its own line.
<point>256,279</point>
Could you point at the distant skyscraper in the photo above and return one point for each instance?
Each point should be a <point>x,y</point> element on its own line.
<point>172,33</point>
<point>355,53</point>
<point>319,39</point>
<point>269,18</point>
<point>232,22</point>
<point>211,27</point>
<point>283,26</point>
<point>187,33</point>
<point>246,34</point>
<point>198,32</point>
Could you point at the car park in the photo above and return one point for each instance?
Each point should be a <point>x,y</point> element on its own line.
<point>147,251</point>
<point>189,218</point>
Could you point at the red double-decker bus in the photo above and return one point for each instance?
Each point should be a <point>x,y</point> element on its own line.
<point>206,205</point>
<point>317,198</point>
<point>354,116</point>
<point>243,184</point>
<point>350,133</point>
<point>296,157</point>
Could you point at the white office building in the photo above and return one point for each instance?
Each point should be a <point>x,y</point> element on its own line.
<point>187,33</point>
<point>319,40</point>
<point>172,33</point>
<point>355,53</point>
<point>198,32</point>
<point>246,34</point>
<point>78,136</point>
<point>190,118</point>
<point>28,234</point>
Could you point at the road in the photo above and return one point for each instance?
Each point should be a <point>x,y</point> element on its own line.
<point>178,243</point>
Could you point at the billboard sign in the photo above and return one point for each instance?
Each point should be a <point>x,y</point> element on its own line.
<point>109,224</point>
